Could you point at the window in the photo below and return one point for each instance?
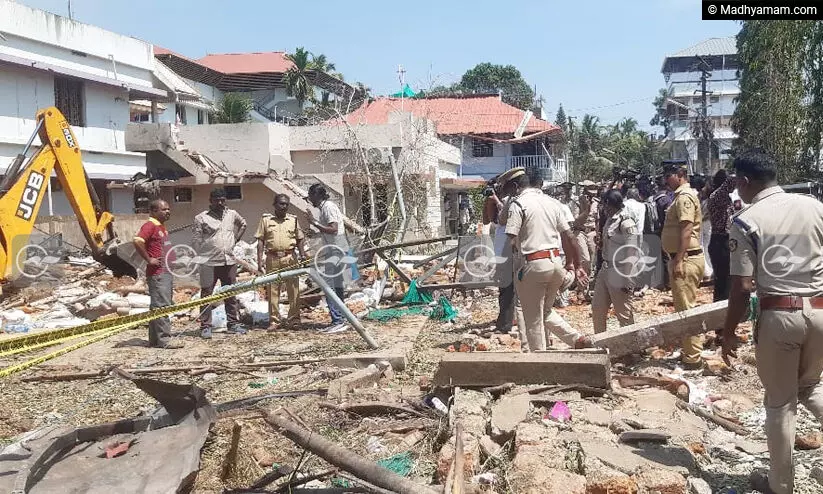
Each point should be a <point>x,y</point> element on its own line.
<point>714,99</point>
<point>182,194</point>
<point>696,99</point>
<point>233,193</point>
<point>201,117</point>
<point>482,149</point>
<point>180,112</point>
<point>68,98</point>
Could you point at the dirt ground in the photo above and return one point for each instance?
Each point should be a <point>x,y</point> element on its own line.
<point>26,405</point>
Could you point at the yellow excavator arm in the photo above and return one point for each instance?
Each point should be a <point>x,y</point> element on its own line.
<point>24,185</point>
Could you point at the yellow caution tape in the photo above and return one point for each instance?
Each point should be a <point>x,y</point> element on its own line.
<point>100,330</point>
<point>7,371</point>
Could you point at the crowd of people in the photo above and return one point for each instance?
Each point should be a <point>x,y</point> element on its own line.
<point>608,243</point>
<point>739,229</point>
<point>215,232</point>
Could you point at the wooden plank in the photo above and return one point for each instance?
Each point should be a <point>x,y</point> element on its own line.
<point>481,369</point>
<point>665,330</point>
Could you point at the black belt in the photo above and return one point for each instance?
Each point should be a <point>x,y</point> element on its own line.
<point>693,252</point>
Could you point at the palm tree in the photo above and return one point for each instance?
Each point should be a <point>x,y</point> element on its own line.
<point>590,133</point>
<point>321,63</point>
<point>233,108</point>
<point>296,78</point>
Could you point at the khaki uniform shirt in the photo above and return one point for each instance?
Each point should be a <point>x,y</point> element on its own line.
<point>591,220</point>
<point>778,241</point>
<point>537,220</point>
<point>684,207</point>
<point>278,236</point>
<point>619,230</point>
<point>214,238</point>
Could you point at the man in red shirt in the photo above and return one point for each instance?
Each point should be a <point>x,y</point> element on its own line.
<point>152,243</point>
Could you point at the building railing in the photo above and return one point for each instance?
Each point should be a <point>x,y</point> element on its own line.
<point>551,169</point>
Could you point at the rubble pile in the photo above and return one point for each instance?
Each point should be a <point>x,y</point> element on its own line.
<point>433,405</point>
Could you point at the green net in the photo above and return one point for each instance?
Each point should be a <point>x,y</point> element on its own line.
<point>443,311</point>
<point>401,464</point>
<point>415,297</point>
<point>384,315</point>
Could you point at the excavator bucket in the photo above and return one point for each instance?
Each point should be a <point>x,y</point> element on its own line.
<point>119,266</point>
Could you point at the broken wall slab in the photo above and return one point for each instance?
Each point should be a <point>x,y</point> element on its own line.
<point>661,331</point>
<point>491,369</point>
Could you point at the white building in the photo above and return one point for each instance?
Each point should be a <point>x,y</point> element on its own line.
<point>682,72</point>
<point>202,83</point>
<point>90,74</point>
<point>491,135</point>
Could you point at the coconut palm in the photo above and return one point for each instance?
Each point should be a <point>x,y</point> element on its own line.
<point>296,78</point>
<point>233,108</point>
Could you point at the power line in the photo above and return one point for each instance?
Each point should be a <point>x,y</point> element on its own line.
<point>613,104</point>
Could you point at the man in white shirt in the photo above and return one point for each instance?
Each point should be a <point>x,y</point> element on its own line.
<point>330,224</point>
<point>634,205</point>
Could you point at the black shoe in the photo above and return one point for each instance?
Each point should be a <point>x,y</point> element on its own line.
<point>692,366</point>
<point>237,329</point>
<point>759,481</point>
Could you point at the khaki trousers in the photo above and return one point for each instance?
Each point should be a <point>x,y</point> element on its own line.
<point>684,293</point>
<point>585,244</point>
<point>537,284</point>
<point>292,286</point>
<point>606,294</point>
<point>789,351</point>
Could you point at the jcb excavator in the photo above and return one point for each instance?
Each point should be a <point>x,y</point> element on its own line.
<point>25,183</point>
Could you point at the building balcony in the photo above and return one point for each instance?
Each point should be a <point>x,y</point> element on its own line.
<point>554,170</point>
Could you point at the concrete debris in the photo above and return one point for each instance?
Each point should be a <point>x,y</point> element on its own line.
<point>341,387</point>
<point>698,486</point>
<point>506,414</point>
<point>645,435</point>
<point>489,369</point>
<point>660,481</point>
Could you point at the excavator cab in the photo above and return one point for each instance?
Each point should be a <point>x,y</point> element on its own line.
<point>24,185</point>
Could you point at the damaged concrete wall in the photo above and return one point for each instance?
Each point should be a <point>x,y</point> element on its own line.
<point>257,199</point>
<point>241,147</point>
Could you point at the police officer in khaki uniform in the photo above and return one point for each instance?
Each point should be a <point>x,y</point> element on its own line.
<point>776,245</point>
<point>614,285</point>
<point>277,237</point>
<point>537,229</point>
<point>681,244</point>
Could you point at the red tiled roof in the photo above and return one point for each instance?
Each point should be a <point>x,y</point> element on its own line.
<point>453,115</point>
<point>247,63</point>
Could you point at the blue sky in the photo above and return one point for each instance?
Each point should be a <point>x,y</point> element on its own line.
<point>594,56</point>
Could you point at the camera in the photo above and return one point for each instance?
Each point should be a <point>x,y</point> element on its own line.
<point>491,188</point>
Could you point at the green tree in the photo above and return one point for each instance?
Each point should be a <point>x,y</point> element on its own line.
<point>661,115</point>
<point>321,63</point>
<point>296,79</point>
<point>233,108</point>
<point>561,120</point>
<point>775,105</point>
<point>489,78</point>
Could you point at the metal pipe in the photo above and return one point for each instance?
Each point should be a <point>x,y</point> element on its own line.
<point>410,243</point>
<point>429,259</point>
<point>13,169</point>
<point>331,297</point>
<point>468,285</point>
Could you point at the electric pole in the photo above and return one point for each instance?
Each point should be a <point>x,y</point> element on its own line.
<point>703,128</point>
